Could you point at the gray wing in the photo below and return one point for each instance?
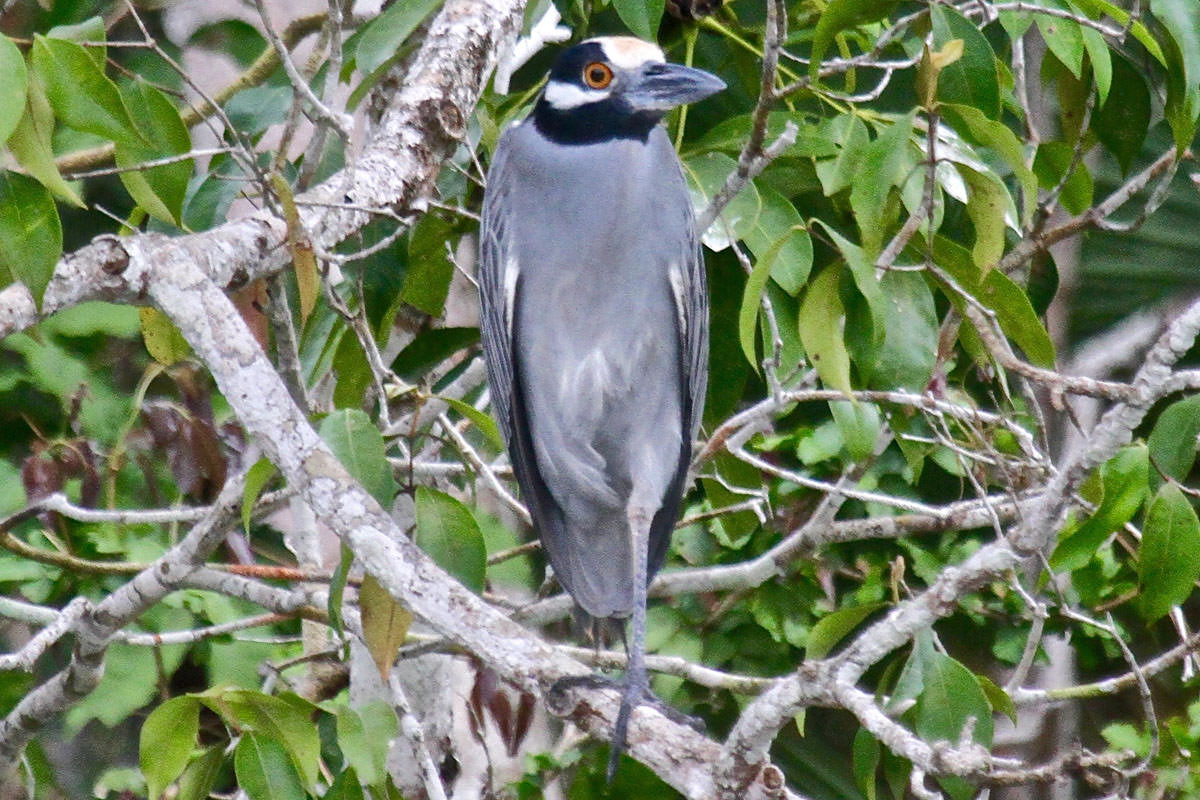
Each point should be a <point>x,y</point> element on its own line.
<point>495,313</point>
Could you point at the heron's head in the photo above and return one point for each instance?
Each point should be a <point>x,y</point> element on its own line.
<point>615,87</point>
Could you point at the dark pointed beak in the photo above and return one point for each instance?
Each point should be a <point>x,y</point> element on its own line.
<point>661,87</point>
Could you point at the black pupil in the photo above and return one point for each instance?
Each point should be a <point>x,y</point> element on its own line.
<point>597,75</point>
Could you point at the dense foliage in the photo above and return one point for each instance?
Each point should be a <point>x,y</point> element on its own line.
<point>934,547</point>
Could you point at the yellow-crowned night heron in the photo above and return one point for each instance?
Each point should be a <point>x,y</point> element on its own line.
<point>595,323</point>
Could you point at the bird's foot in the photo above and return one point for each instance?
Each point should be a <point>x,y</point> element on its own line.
<point>633,694</point>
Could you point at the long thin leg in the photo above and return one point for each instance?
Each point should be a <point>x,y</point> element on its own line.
<point>637,684</point>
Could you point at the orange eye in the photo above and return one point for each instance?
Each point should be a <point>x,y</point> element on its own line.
<point>597,75</point>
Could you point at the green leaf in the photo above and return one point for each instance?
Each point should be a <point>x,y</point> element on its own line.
<point>284,721</point>
<point>998,698</point>
<point>1181,19</point>
<point>884,165</point>
<point>1100,59</point>
<point>780,237</point>
<point>1169,556</point>
<point>1017,318</point>
<point>834,627</point>
<point>385,623</point>
<point>163,340</point>
<point>751,304</point>
<point>859,424</point>
<point>852,139</point>
<point>429,267</point>
<point>977,128</point>
<point>345,787</point>
<point>1095,9</point>
<point>364,735</point>
<point>862,270</point>
<point>1124,479</point>
<point>1121,123</point>
<point>167,739</point>
<point>485,424</point>
<point>30,232</point>
<point>987,205</point>
<point>1051,163</point>
<point>130,679</point>
<point>822,325</point>
<point>448,532</point>
<point>866,752</point>
<point>642,17</point>
<point>81,94</point>
<point>907,352</point>
<point>361,449</point>
<point>950,697</point>
<point>971,80</point>
<point>1063,37</point>
<point>201,775</point>
<point>1172,443</point>
<point>732,530</point>
<point>841,15</point>
<point>382,37</point>
<point>706,174</point>
<point>14,82</point>
<point>159,190</point>
<point>430,348</point>
<point>264,771</point>
<point>31,144</point>
<point>257,477</point>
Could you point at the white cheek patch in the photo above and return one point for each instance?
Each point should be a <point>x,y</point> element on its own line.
<point>627,52</point>
<point>564,95</point>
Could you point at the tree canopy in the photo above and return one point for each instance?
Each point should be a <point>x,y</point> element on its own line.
<point>259,533</point>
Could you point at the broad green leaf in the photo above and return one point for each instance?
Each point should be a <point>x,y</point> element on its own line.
<point>166,742</point>
<point>364,735</point>
<point>999,699</point>
<point>201,774</point>
<point>641,16</point>
<point>865,753</point>
<point>862,270</point>
<point>14,81</point>
<point>841,15</point>
<point>81,94</point>
<point>485,424</point>
<point>257,477</point>
<point>1100,59</point>
<point>813,140</point>
<point>884,165</point>
<point>345,787</point>
<point>163,340</point>
<point>1051,163</point>
<point>1017,317</point>
<point>1125,480</point>
<point>352,370</point>
<point>907,352</point>
<point>1181,19</point>
<point>1062,36</point>
<point>285,721</point>
<point>859,424</point>
<point>1172,443</point>
<point>1169,556</point>
<point>430,348</point>
<point>950,697</point>
<point>337,587</point>
<point>1096,9</point>
<point>822,325</point>
<point>130,678</point>
<point>31,143</point>
<point>756,283</point>
<point>264,771</point>
<point>448,532</point>
<point>1121,123</point>
<point>834,627</point>
<point>706,174</point>
<point>988,204</point>
<point>977,128</point>
<point>159,190</point>
<point>382,37</point>
<point>732,530</point>
<point>361,449</point>
<point>385,623</point>
<point>779,237</point>
<point>429,267</point>
<point>30,232</point>
<point>971,80</point>
<point>852,139</point>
